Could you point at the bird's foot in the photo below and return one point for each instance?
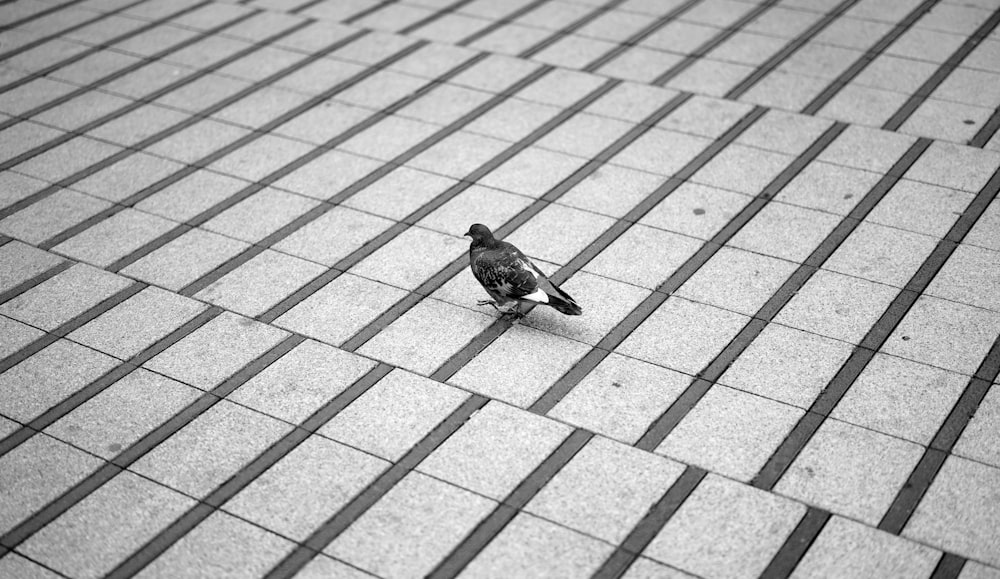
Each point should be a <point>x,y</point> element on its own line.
<point>513,316</point>
<point>488,303</point>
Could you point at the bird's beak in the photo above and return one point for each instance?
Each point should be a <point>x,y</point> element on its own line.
<point>467,234</point>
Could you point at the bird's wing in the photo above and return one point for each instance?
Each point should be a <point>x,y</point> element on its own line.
<point>543,282</point>
<point>504,272</point>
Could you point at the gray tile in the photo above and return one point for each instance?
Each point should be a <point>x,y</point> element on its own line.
<point>856,550</point>
<point>14,565</point>
<point>706,116</point>
<point>114,237</point>
<point>259,215</point>
<point>97,533</point>
<point>411,528</point>
<point>519,365</point>
<point>837,306</point>
<point>333,236</point>
<point>955,166</point>
<point>532,172</point>
<point>696,210</point>
<point>557,234</point>
<point>475,205</point>
<point>920,207</point>
<point>612,190</point>
<point>394,414</point>
<point>605,489</point>
<point>621,397</point>
<point>301,381</point>
<point>220,546</point>
<point>37,472</point>
<point>901,398</point>
<point>59,299</point>
<point>191,195</point>
<point>306,487</point>
<point>340,308</point>
<point>323,567</point>
<point>742,169</point>
<point>216,350</point>
<point>971,276</point>
<point>533,548</point>
<point>785,231</point>
<point>584,135</point>
<point>850,471</point>
<point>737,280</point>
<point>138,322</point>
<point>328,174</point>
<point>974,570</point>
<point>16,336</point>
<point>399,193</point>
<point>495,450</point>
<point>725,529</point>
<point>185,259</point>
<point>986,231</point>
<point>20,262</point>
<point>730,432</point>
<point>828,187</point>
<point>979,439</point>
<point>411,258</point>
<point>683,335</point>
<point>260,283</point>
<point>945,334</point>
<point>459,154</point>
<point>631,101</point>
<point>644,568</point>
<point>45,379</point>
<point>667,251</point>
<point>123,413</point>
<point>661,152</point>
<point>423,338</point>
<point>880,253</point>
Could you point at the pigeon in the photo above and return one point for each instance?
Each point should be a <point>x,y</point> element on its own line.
<point>510,278</point>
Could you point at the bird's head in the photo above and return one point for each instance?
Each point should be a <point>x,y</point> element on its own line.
<point>480,234</point>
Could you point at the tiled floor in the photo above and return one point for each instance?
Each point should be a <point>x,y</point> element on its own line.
<point>238,337</point>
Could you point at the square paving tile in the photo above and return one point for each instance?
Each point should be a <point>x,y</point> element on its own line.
<point>970,276</point>
<point>725,529</point>
<point>880,253</point>
<point>850,471</point>
<point>495,450</point>
<point>58,299</point>
<point>411,528</point>
<point>667,251</point>
<point>260,283</point>
<point>737,280</point>
<point>978,440</point>
<point>845,546</point>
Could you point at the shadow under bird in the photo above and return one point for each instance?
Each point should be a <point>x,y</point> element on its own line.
<point>511,278</point>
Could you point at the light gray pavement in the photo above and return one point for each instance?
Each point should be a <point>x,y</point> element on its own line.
<point>238,337</point>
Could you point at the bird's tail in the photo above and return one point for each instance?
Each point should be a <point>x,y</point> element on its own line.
<point>565,304</point>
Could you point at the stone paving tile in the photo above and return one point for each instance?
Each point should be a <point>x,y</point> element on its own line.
<point>532,547</point>
<point>106,527</point>
<point>497,448</point>
<point>333,236</point>
<point>260,283</point>
<point>410,258</point>
<point>223,546</point>
<point>394,414</point>
<point>845,546</point>
<point>21,262</point>
<point>51,216</point>
<point>605,489</point>
<point>618,261</point>
<point>850,471</point>
<point>725,529</point>
<point>976,441</point>
<point>14,565</point>
<point>737,280</point>
<point>414,525</point>
<point>58,299</point>
<point>184,259</point>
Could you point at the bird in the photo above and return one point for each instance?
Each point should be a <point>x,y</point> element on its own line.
<point>510,278</point>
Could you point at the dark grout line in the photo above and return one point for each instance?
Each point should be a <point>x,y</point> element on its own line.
<point>494,523</point>
<point>4,240</point>
<point>796,544</point>
<point>859,358</point>
<point>80,491</point>
<point>917,98</point>
<point>865,59</point>
<point>92,50</point>
<point>986,132</point>
<point>646,530</point>
<point>450,9</point>
<point>350,20</point>
<point>639,36</point>
<point>664,425</point>
<point>439,279</point>
<point>527,8</point>
<point>38,15</point>
<point>77,321</point>
<point>26,115</point>
<point>167,537</point>
<point>949,567</point>
<point>328,204</point>
<point>169,131</point>
<point>558,35</point>
<point>26,285</point>
<point>359,505</point>
<point>713,42</point>
<point>71,402</point>
<point>208,159</point>
<point>398,228</point>
<point>923,475</point>
<point>788,50</point>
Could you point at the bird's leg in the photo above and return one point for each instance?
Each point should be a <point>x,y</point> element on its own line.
<point>488,303</point>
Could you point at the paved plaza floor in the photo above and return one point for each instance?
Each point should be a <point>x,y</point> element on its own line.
<point>239,336</point>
